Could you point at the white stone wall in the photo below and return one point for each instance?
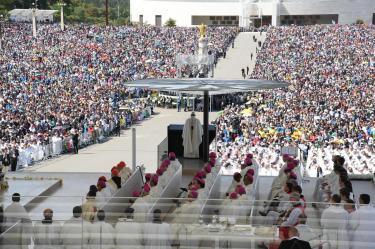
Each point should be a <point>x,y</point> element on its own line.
<point>182,10</point>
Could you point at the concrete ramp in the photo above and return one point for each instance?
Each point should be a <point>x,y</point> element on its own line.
<point>239,57</point>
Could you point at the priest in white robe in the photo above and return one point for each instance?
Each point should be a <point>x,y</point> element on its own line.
<point>192,137</point>
<point>15,212</point>
<point>363,224</point>
<point>157,235</point>
<point>129,234</point>
<point>75,232</point>
<point>334,221</point>
<point>47,232</point>
<point>141,207</point>
<point>102,234</point>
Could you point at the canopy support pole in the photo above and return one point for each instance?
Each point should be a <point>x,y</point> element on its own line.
<point>206,106</point>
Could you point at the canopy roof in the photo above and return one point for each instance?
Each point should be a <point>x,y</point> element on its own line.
<point>213,86</point>
<point>27,12</point>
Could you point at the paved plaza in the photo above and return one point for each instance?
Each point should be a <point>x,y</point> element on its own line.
<point>101,157</point>
<point>239,57</point>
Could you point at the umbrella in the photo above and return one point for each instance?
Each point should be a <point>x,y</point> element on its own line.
<point>247,112</point>
<point>206,87</point>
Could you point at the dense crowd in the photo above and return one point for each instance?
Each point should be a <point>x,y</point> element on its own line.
<point>75,78</point>
<point>329,102</point>
<point>331,94</point>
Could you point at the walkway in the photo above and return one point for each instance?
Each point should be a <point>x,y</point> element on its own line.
<point>239,57</point>
<point>101,157</point>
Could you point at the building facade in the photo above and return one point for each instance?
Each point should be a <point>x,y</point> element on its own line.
<point>245,13</point>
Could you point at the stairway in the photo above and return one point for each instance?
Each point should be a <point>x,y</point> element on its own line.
<point>239,57</point>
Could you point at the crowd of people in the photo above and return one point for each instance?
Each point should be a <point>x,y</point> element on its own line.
<point>329,102</point>
<point>74,79</point>
<point>330,95</point>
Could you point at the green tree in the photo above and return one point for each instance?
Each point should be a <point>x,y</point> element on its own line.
<point>170,23</point>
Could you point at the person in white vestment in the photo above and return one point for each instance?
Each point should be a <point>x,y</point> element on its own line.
<point>75,233</point>
<point>124,172</point>
<point>14,213</point>
<point>103,194</point>
<point>102,234</point>
<point>306,233</point>
<point>129,234</point>
<point>231,208</point>
<point>363,224</point>
<point>334,221</point>
<point>350,207</point>
<point>47,232</point>
<point>142,205</point>
<point>236,180</point>
<point>192,137</point>
<point>157,235</point>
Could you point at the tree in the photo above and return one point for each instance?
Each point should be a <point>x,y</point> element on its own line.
<point>359,21</point>
<point>170,23</point>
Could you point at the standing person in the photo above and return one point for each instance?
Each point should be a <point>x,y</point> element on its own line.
<point>185,104</point>
<point>178,103</point>
<point>13,158</point>
<point>192,137</point>
<point>14,213</point>
<point>294,242</point>
<point>5,158</point>
<point>224,54</point>
<point>363,223</point>
<point>128,232</point>
<point>243,73</point>
<point>157,235</point>
<point>75,232</point>
<point>75,139</point>
<point>334,221</point>
<point>47,232</point>
<point>118,128</point>
<point>319,171</point>
<point>102,234</point>
<point>251,56</point>
<point>247,70</point>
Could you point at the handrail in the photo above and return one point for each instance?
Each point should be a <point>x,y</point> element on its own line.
<point>11,227</point>
<point>178,171</point>
<point>217,178</point>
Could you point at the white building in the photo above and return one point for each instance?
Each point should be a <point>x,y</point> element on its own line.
<point>24,15</point>
<point>246,13</point>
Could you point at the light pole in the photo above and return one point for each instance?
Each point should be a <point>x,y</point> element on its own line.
<point>33,17</point>
<point>1,31</point>
<point>62,4</point>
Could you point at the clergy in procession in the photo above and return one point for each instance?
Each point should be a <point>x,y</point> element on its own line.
<point>192,136</point>
<point>103,194</point>
<point>76,231</point>
<point>124,172</point>
<point>115,182</point>
<point>157,235</point>
<point>237,178</point>
<point>141,204</point>
<point>102,234</point>
<point>129,234</point>
<point>363,223</point>
<point>47,232</point>
<point>174,164</point>
<point>189,209</point>
<point>246,164</point>
<point>15,212</point>
<point>334,221</point>
<point>89,207</point>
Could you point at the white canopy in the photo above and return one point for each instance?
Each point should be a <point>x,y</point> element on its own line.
<point>24,15</point>
<point>213,86</point>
